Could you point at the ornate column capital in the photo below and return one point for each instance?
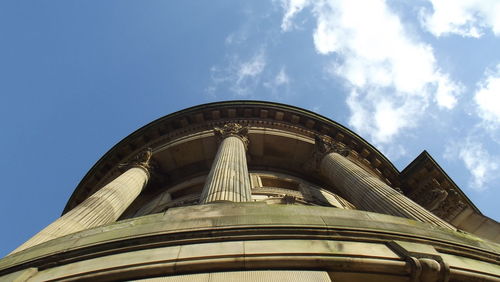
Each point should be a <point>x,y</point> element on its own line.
<point>325,145</point>
<point>232,129</point>
<point>142,160</point>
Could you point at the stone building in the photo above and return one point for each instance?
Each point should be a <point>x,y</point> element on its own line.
<point>247,191</point>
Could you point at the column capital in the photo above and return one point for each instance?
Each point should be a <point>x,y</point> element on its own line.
<point>325,145</point>
<point>232,129</point>
<point>142,160</point>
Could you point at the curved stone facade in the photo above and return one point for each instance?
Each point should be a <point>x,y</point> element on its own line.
<point>250,191</point>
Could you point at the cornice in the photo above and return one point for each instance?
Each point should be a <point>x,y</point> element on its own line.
<point>425,167</point>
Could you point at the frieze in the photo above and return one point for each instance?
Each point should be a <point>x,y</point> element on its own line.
<point>174,134</point>
<point>451,206</point>
<point>445,203</point>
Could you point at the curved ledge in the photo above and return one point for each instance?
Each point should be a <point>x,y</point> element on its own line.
<point>260,233</point>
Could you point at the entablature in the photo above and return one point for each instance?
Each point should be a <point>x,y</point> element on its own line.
<point>203,118</point>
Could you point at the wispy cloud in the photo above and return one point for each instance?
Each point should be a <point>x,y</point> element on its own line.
<point>474,151</point>
<point>251,68</point>
<point>238,76</point>
<point>487,98</point>
<point>280,79</point>
<point>468,18</point>
<point>393,77</point>
<point>278,85</point>
<point>236,37</point>
<point>483,167</point>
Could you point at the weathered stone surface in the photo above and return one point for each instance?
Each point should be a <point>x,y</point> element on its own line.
<point>20,276</point>
<point>245,217</point>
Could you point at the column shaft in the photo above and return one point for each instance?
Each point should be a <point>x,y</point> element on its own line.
<point>104,206</point>
<point>228,179</point>
<point>370,193</point>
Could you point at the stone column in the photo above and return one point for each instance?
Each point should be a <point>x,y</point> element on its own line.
<point>102,207</point>
<point>228,179</point>
<point>364,190</point>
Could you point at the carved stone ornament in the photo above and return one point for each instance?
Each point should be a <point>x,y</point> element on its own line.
<point>422,266</point>
<point>232,129</point>
<point>445,203</point>
<point>142,159</point>
<point>451,206</point>
<point>326,145</point>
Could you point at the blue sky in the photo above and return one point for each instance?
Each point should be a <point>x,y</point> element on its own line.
<point>78,76</point>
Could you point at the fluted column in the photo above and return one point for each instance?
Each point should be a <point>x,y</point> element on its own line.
<point>228,179</point>
<point>102,207</point>
<point>366,191</point>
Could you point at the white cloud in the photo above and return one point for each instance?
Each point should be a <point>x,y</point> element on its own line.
<point>468,18</point>
<point>281,78</point>
<point>446,91</point>
<point>292,7</point>
<point>240,77</point>
<point>251,68</point>
<point>393,76</point>
<point>380,115</point>
<point>487,98</point>
<point>483,167</point>
<point>278,84</point>
<point>236,38</point>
